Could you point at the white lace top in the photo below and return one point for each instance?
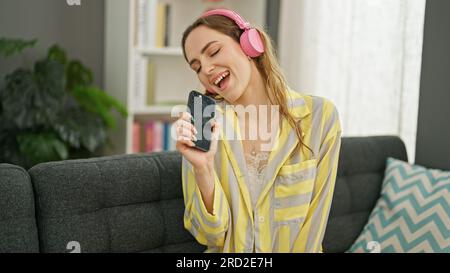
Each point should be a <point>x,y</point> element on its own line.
<point>256,164</point>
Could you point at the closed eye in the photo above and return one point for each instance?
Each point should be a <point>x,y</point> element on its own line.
<point>212,55</point>
<point>217,51</point>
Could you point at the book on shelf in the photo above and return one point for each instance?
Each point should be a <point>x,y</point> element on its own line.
<point>153,136</point>
<point>150,29</point>
<point>150,90</point>
<point>166,134</point>
<point>172,140</point>
<point>144,82</point>
<point>139,23</point>
<point>136,137</point>
<point>153,24</point>
<point>148,136</point>
<point>162,25</point>
<point>158,136</point>
<point>167,28</point>
<point>140,81</point>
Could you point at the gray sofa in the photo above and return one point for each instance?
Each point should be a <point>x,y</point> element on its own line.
<point>134,203</point>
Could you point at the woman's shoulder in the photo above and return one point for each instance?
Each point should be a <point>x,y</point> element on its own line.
<point>315,103</point>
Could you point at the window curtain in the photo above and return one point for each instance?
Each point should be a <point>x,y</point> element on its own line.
<point>364,55</point>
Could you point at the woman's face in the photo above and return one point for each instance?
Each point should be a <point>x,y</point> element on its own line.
<point>219,62</point>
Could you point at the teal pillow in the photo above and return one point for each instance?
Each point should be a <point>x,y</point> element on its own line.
<point>412,214</point>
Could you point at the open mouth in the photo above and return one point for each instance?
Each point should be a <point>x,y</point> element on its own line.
<point>222,81</point>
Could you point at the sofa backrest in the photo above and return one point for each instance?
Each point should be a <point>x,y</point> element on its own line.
<point>361,166</point>
<point>126,203</point>
<point>18,231</point>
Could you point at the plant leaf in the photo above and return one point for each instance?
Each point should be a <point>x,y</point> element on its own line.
<point>17,98</point>
<point>80,128</point>
<point>9,149</point>
<point>9,47</point>
<point>57,54</point>
<point>50,77</point>
<point>78,74</point>
<point>42,146</point>
<point>97,101</point>
<point>31,99</point>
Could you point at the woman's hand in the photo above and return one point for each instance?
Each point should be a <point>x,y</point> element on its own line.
<point>203,162</point>
<point>186,134</point>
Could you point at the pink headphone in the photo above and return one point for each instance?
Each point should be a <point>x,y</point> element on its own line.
<point>250,40</point>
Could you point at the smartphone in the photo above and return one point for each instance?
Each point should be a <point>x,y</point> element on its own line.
<point>202,109</point>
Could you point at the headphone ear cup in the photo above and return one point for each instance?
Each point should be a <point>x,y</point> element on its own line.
<point>251,43</point>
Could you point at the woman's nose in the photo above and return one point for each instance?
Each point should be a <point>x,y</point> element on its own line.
<point>209,68</point>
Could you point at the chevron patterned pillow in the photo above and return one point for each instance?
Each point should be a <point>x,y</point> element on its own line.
<point>412,214</point>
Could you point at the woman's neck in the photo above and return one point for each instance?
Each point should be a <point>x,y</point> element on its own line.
<point>256,93</point>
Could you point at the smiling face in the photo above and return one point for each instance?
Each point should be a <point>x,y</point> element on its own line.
<point>220,63</point>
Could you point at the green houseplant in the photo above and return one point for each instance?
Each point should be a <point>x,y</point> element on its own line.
<point>52,111</point>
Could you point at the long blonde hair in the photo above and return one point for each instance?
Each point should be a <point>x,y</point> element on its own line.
<point>267,65</point>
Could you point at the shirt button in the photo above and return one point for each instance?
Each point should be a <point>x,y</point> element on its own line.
<point>261,219</point>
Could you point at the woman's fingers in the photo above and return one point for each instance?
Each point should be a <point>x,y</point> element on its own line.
<point>214,135</point>
<point>186,141</point>
<point>186,116</point>
<point>184,132</point>
<point>186,124</point>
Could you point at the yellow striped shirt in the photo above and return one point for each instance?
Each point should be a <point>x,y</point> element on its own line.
<point>292,211</point>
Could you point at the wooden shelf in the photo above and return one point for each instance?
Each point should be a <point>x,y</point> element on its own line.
<point>158,110</point>
<point>165,51</point>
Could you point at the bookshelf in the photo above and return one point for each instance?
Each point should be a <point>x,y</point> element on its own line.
<point>144,66</point>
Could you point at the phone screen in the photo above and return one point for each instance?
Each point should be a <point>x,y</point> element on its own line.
<point>202,109</point>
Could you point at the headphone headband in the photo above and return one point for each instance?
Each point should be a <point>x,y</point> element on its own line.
<point>242,24</point>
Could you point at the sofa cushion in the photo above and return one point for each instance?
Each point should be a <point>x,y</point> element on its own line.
<point>125,203</point>
<point>360,174</point>
<point>17,215</point>
<point>412,214</point>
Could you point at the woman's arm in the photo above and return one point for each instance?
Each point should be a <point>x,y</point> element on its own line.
<point>312,233</point>
<point>207,212</point>
<point>205,181</point>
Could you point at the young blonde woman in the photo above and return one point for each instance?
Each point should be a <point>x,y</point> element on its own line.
<point>250,194</point>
